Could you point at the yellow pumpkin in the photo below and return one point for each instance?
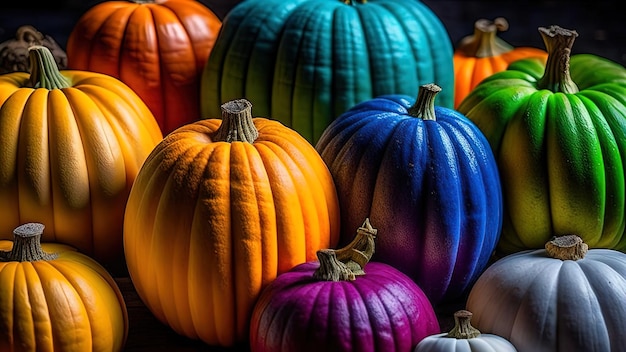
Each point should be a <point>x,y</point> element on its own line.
<point>54,298</point>
<point>218,210</point>
<point>71,145</point>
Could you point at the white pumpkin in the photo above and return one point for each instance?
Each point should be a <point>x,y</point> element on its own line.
<point>560,299</point>
<point>464,338</point>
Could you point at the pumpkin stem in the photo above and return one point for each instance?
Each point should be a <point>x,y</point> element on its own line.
<point>352,2</point>
<point>44,72</point>
<point>348,262</point>
<point>568,247</point>
<point>463,328</point>
<point>143,1</point>
<point>424,106</point>
<point>27,245</point>
<point>485,41</point>
<point>237,124</point>
<point>559,43</point>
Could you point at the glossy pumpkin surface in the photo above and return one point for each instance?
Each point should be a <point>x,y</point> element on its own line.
<point>542,303</point>
<point>71,149</point>
<point>53,298</point>
<point>157,47</point>
<point>212,220</point>
<point>304,62</point>
<point>483,53</point>
<point>427,176</point>
<point>558,131</point>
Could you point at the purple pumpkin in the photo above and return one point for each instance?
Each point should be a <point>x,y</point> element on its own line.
<point>342,303</point>
<point>427,176</point>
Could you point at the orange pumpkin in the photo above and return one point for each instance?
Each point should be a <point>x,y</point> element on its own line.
<point>218,210</point>
<point>71,145</point>
<point>157,47</point>
<point>482,54</point>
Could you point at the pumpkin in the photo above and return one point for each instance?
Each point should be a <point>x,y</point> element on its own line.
<point>304,62</point>
<point>53,297</point>
<point>157,47</point>
<point>483,53</point>
<point>218,210</point>
<point>559,135</point>
<point>72,143</point>
<point>464,338</point>
<point>427,175</point>
<point>564,297</point>
<point>342,302</point>
<point>14,52</point>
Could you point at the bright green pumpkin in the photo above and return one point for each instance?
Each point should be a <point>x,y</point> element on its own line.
<point>304,62</point>
<point>558,131</point>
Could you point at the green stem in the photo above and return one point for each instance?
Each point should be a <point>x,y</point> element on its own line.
<point>485,41</point>
<point>463,328</point>
<point>44,72</point>
<point>424,106</point>
<point>559,43</point>
<point>568,247</point>
<point>27,245</point>
<point>237,123</point>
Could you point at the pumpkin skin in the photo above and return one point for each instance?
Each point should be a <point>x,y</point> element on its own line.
<point>245,211</point>
<point>71,152</point>
<point>304,62</point>
<point>560,142</point>
<point>540,303</point>
<point>64,303</point>
<point>482,54</point>
<point>157,47</point>
<point>431,182</point>
<point>378,309</point>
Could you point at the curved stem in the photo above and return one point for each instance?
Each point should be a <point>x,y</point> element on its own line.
<point>27,245</point>
<point>559,43</point>
<point>485,41</point>
<point>354,2</point>
<point>29,34</point>
<point>237,123</point>
<point>463,328</point>
<point>44,72</point>
<point>424,106</point>
<point>568,247</point>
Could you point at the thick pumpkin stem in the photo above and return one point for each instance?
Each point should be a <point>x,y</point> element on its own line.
<point>568,247</point>
<point>27,245</point>
<point>463,328</point>
<point>424,106</point>
<point>348,262</point>
<point>485,41</point>
<point>237,123</point>
<point>559,43</point>
<point>44,72</point>
<point>353,2</point>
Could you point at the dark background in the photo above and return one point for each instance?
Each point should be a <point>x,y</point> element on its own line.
<point>600,24</point>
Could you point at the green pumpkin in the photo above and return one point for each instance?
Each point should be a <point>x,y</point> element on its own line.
<point>558,131</point>
<point>304,62</point>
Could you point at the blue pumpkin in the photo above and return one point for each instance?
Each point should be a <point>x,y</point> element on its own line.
<point>426,176</point>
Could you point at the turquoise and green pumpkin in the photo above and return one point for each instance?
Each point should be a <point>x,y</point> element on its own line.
<point>558,131</point>
<point>304,62</point>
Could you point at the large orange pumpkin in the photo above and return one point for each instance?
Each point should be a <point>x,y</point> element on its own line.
<point>157,47</point>
<point>483,53</point>
<point>218,210</point>
<point>71,144</point>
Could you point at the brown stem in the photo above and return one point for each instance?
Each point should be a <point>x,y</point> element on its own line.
<point>463,328</point>
<point>237,123</point>
<point>348,262</point>
<point>424,106</point>
<point>143,1</point>
<point>568,247</point>
<point>27,245</point>
<point>29,35</point>
<point>353,2</point>
<point>559,43</point>
<point>44,72</point>
<point>485,41</point>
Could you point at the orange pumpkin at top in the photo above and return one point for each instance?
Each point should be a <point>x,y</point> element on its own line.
<point>157,47</point>
<point>483,53</point>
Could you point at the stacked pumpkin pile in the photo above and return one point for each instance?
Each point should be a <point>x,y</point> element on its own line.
<point>226,166</point>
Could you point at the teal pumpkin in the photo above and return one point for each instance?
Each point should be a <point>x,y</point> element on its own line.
<point>558,131</point>
<point>304,62</point>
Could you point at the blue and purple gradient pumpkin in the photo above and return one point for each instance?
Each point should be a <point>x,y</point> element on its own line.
<point>427,176</point>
